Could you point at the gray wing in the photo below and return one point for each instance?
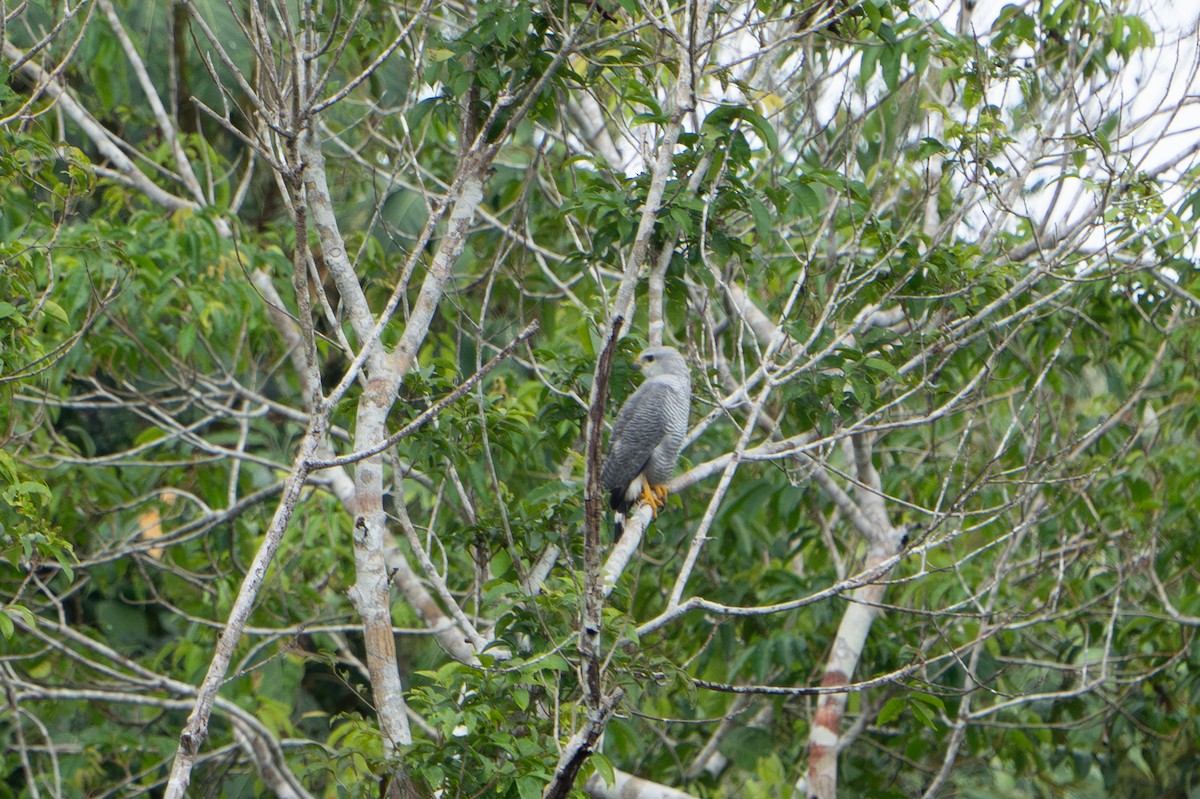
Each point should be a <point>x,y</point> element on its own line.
<point>640,426</point>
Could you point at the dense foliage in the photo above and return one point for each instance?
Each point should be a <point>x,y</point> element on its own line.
<point>935,276</point>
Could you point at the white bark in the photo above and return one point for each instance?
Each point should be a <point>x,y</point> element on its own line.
<point>627,786</point>
<point>196,728</point>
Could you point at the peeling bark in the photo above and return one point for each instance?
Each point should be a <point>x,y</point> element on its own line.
<point>371,593</point>
<point>847,650</point>
<point>868,512</point>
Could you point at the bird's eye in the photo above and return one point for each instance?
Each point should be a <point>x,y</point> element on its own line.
<point>649,359</point>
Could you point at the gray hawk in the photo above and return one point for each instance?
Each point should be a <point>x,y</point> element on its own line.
<point>649,433</point>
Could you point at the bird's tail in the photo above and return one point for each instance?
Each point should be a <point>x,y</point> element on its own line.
<point>618,526</point>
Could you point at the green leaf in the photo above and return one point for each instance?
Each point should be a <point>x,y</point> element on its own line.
<point>929,699</point>
<point>870,61</point>
<point>28,489</point>
<point>604,768</point>
<point>502,563</point>
<point>809,200</point>
<point>923,715</point>
<point>64,556</point>
<point>763,127</point>
<point>187,339</point>
<point>762,217</point>
<point>648,119</point>
<point>150,434</point>
<point>55,311</point>
<point>927,148</point>
<point>874,16</point>
<point>880,365</point>
<point>24,613</point>
<point>722,117</point>
<point>529,788</point>
<point>747,745</point>
<point>891,710</point>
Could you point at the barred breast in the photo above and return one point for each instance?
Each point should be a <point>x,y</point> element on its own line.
<point>676,408</point>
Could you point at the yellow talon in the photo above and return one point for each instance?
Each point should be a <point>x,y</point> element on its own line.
<point>648,497</point>
<point>654,496</point>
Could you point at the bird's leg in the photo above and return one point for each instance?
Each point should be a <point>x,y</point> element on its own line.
<point>655,496</point>
<point>650,497</point>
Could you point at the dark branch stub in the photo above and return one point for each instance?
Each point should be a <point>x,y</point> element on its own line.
<point>593,512</point>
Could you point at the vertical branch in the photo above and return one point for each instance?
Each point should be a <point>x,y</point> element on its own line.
<point>656,294</point>
<point>593,603</point>
<point>848,645</point>
<point>370,593</point>
<point>682,103</point>
<point>869,517</point>
<point>289,331</point>
<point>385,372</point>
<point>300,256</point>
<point>600,708</point>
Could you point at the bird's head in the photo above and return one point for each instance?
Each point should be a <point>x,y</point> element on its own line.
<point>661,361</point>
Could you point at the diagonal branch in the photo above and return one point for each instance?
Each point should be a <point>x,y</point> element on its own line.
<point>581,745</point>
<point>103,140</point>
<point>183,167</point>
<point>196,728</point>
<point>432,411</point>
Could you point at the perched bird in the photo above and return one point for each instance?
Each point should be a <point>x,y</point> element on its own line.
<point>649,433</point>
